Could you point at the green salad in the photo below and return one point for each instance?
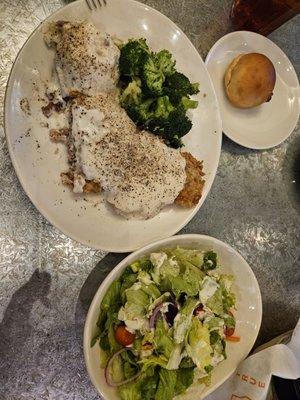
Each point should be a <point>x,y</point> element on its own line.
<point>162,325</point>
<point>154,94</point>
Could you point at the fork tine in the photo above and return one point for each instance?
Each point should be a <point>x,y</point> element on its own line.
<point>94,3</point>
<point>99,2</point>
<point>88,4</point>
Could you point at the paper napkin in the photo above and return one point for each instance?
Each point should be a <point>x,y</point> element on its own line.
<point>252,378</point>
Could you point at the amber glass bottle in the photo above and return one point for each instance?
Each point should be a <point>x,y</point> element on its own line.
<point>262,16</point>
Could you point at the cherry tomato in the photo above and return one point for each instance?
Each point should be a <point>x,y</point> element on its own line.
<point>123,336</point>
<point>229,331</point>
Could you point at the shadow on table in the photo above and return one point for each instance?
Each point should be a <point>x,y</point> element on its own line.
<point>15,328</point>
<point>231,147</point>
<point>90,287</point>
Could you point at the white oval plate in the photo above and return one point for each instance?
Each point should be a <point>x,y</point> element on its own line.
<point>248,314</point>
<point>34,157</point>
<point>271,123</point>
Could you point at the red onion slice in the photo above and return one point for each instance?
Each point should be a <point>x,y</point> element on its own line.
<point>154,315</point>
<point>109,381</point>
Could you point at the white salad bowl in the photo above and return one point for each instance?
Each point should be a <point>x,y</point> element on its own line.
<point>248,314</point>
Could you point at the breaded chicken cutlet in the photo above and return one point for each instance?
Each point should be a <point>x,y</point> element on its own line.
<point>192,190</point>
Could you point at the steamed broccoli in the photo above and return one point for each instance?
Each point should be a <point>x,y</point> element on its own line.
<point>154,94</point>
<point>187,103</point>
<point>165,62</point>
<point>150,109</point>
<point>178,85</point>
<point>172,128</point>
<point>140,113</point>
<point>176,126</point>
<point>152,77</point>
<point>132,57</point>
<point>161,118</point>
<point>131,94</point>
<point>155,70</point>
<point>163,107</point>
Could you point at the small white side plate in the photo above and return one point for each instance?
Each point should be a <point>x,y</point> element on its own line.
<point>271,123</point>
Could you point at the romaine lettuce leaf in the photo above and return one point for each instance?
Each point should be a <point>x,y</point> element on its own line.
<point>112,296</point>
<point>208,288</point>
<point>112,319</point>
<point>134,311</point>
<point>166,385</point>
<point>151,290</point>
<point>214,337</point>
<point>157,259</point>
<point>187,362</point>
<point>110,304</point>
<point>116,370</point>
<point>144,277</point>
<point>194,257</point>
<point>104,357</point>
<point>130,391</point>
<point>104,343</point>
<point>215,302</point>
<point>214,323</point>
<point>218,345</point>
<point>162,340</point>
<point>149,384</point>
<point>146,265</point>
<point>143,264</point>
<point>137,301</point>
<point>228,300</point>
<point>184,380</point>
<point>143,388</point>
<point>127,279</point>
<point>133,320</point>
<point>229,320</point>
<point>188,283</point>
<point>183,320</point>
<point>226,281</point>
<point>129,363</point>
<point>198,344</point>
<point>153,361</point>
<point>175,357</point>
<point>170,267</point>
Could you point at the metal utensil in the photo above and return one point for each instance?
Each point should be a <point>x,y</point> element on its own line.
<point>95,4</point>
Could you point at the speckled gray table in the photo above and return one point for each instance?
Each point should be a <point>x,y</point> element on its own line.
<point>47,280</point>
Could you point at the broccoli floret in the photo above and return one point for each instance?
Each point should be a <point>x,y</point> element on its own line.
<point>152,77</point>
<point>177,86</point>
<point>165,62</point>
<point>187,103</point>
<point>178,124</point>
<point>163,107</point>
<point>155,70</point>
<point>174,142</point>
<point>150,109</point>
<point>132,93</point>
<point>140,113</point>
<point>132,57</point>
<point>171,129</point>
